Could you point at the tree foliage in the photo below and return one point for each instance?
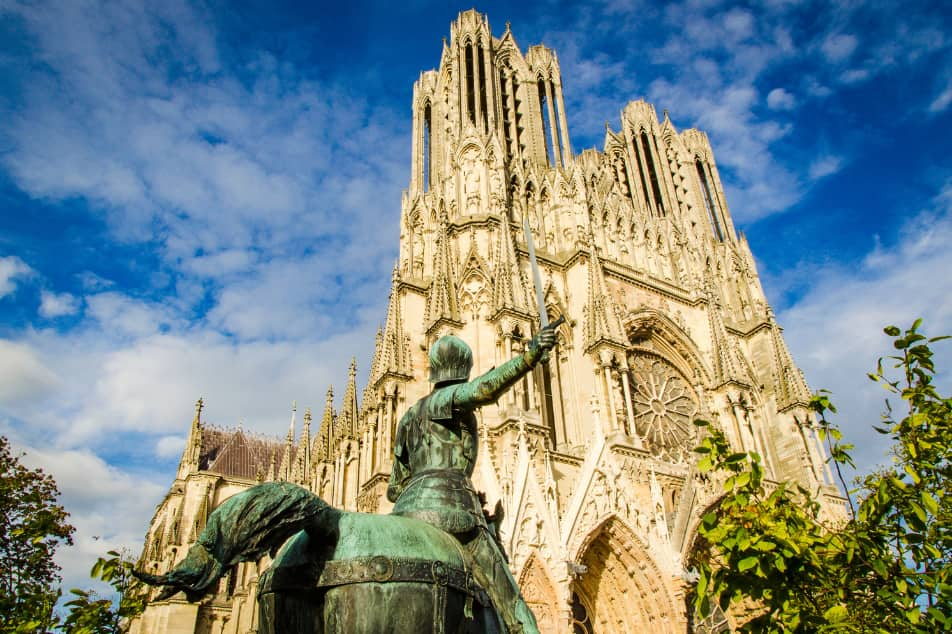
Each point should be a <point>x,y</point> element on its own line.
<point>32,526</point>
<point>91,614</point>
<point>885,567</point>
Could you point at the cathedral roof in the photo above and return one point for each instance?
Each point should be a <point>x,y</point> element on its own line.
<point>233,453</point>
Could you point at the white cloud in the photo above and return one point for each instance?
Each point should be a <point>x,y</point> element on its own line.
<point>109,507</point>
<point>824,166</point>
<point>12,270</point>
<point>54,305</point>
<point>837,47</point>
<point>780,99</point>
<point>212,167</point>
<point>835,330</point>
<point>941,101</point>
<point>23,375</point>
<point>121,315</point>
<point>169,446</point>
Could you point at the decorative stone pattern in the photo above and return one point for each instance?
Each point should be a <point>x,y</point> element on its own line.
<point>664,408</point>
<point>587,462</point>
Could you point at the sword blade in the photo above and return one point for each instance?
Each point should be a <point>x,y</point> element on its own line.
<point>536,278</point>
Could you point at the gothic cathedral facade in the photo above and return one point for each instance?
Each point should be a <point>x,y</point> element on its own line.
<point>590,456</point>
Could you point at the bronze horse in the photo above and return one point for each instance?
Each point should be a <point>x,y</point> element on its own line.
<point>340,572</point>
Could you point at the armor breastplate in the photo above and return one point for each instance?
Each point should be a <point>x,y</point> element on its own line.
<point>441,444</point>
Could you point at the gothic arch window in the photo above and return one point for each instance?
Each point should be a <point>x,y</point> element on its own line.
<point>427,145</point>
<point>481,73</point>
<point>652,173</point>
<point>547,129</point>
<point>470,83</point>
<point>511,108</point>
<point>640,166</point>
<point>664,405</point>
<point>522,389</point>
<point>474,296</point>
<point>712,212</point>
<point>505,93</point>
<point>621,175</point>
<point>581,624</point>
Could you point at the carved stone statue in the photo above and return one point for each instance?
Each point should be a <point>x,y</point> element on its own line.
<point>433,565</point>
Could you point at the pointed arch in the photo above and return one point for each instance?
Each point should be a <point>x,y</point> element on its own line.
<point>622,589</point>
<point>668,339</point>
<point>539,593</point>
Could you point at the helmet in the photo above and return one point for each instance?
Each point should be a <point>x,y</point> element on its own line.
<point>450,360</point>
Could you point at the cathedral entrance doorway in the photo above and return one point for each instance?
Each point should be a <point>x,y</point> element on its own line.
<point>621,590</point>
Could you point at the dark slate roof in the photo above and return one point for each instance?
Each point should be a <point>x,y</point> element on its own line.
<point>233,453</point>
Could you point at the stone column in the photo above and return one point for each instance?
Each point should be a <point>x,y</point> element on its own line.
<point>605,359</point>
<point>553,124</point>
<point>489,85</point>
<point>628,408</point>
<point>563,127</point>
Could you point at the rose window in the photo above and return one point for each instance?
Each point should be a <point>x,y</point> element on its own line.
<point>664,408</point>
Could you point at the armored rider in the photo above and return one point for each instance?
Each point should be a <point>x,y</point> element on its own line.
<point>434,456</point>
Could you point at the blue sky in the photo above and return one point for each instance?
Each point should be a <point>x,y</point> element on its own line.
<point>202,199</point>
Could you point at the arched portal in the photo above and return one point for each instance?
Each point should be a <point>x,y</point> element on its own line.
<point>622,590</point>
<point>539,593</point>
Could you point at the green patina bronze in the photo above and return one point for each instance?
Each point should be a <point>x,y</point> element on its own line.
<point>434,565</point>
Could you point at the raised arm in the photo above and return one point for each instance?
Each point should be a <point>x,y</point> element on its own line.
<point>488,387</point>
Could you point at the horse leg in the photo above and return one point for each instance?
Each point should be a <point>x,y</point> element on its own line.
<point>244,528</point>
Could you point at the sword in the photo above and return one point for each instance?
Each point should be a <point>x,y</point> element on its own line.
<point>536,278</point>
<point>537,282</point>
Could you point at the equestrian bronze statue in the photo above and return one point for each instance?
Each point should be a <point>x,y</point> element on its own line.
<point>433,565</point>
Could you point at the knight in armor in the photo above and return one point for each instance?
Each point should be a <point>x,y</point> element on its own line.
<point>435,453</point>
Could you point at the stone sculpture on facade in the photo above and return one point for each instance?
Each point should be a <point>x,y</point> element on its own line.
<point>363,573</point>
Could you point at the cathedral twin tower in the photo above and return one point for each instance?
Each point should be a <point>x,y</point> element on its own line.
<point>591,455</point>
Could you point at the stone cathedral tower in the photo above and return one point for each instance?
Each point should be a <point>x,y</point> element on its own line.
<point>590,456</point>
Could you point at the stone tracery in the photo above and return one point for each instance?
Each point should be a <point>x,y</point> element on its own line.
<point>664,407</point>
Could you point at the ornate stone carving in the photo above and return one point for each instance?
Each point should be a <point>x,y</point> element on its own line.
<point>664,407</point>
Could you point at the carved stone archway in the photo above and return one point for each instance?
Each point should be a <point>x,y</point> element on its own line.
<point>539,594</point>
<point>622,590</point>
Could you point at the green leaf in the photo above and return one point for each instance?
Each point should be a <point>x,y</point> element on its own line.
<point>747,563</point>
<point>836,614</point>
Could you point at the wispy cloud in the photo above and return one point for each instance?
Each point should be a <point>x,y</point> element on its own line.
<point>838,47</point>
<point>12,271</point>
<point>835,330</point>
<point>245,183</point>
<point>24,377</point>
<point>715,66</point>
<point>780,99</point>
<point>942,100</point>
<point>53,305</point>
<point>824,166</point>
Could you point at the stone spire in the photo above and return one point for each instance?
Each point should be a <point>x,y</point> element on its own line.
<point>347,419</point>
<point>441,303</point>
<point>191,455</point>
<point>728,366</point>
<point>789,385</point>
<point>286,466</point>
<point>325,435</point>
<point>302,466</point>
<point>601,322</point>
<point>272,469</point>
<point>508,291</point>
<point>393,350</point>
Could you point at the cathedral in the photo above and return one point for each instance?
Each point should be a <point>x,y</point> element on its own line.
<point>590,456</point>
